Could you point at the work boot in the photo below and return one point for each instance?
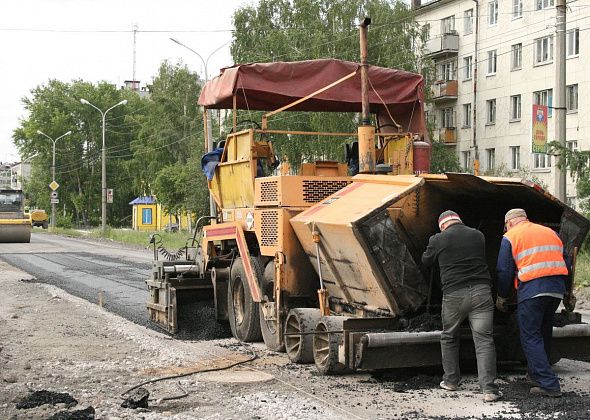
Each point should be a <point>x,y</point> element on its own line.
<point>537,390</point>
<point>492,396</point>
<point>448,387</point>
<point>531,382</point>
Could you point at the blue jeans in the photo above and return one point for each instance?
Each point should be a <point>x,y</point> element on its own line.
<point>535,321</point>
<point>473,302</point>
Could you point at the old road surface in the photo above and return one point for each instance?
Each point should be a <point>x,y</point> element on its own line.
<point>55,339</point>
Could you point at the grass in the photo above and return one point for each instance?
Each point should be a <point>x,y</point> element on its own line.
<point>583,269</point>
<point>171,241</point>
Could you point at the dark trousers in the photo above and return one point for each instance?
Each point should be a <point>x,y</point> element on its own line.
<point>476,304</point>
<point>535,320</point>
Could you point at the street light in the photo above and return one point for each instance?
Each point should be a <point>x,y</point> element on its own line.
<point>212,209</point>
<point>53,171</point>
<point>104,160</point>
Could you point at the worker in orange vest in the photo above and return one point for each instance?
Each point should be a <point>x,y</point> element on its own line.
<point>531,259</point>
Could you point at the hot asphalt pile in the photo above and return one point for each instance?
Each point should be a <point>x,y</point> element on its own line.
<point>60,399</point>
<point>197,322</point>
<point>38,398</point>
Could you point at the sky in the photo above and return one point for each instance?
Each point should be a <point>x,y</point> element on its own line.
<point>92,40</point>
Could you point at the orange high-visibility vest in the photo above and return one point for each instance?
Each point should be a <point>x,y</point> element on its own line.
<point>537,252</point>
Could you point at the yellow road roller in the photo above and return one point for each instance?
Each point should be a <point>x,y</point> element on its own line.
<point>15,221</point>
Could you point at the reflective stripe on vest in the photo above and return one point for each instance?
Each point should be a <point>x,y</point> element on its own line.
<point>537,251</point>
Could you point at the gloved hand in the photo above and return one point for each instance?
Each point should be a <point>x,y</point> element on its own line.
<point>569,301</point>
<point>502,304</point>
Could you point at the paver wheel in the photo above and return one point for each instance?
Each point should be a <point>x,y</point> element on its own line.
<point>325,345</point>
<point>271,334</point>
<point>298,343</point>
<point>243,312</point>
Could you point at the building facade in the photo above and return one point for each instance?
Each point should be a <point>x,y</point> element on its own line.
<point>20,172</point>
<point>493,60</point>
<point>5,176</point>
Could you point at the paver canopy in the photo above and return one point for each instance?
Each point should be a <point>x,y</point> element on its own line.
<point>269,86</point>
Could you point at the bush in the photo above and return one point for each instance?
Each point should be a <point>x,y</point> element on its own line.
<point>64,221</point>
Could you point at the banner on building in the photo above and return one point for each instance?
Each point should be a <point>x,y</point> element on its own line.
<point>539,129</point>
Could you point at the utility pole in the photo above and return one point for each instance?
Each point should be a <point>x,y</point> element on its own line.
<point>207,117</point>
<point>135,28</point>
<point>559,106</point>
<point>104,160</point>
<point>53,171</point>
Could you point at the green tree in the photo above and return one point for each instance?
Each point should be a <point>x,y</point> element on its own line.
<point>284,30</point>
<point>443,159</point>
<point>577,162</point>
<point>170,141</point>
<point>55,108</point>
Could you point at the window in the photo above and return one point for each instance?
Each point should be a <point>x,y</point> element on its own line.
<point>573,42</point>
<point>466,159</point>
<point>493,12</point>
<point>491,111</point>
<point>515,108</point>
<point>544,4</point>
<point>571,98</point>
<point>544,50</point>
<point>515,157</point>
<point>490,159</point>
<point>544,97</point>
<point>467,67</point>
<point>516,9</point>
<point>572,145</point>
<point>516,57</point>
<point>447,117</point>
<point>541,161</point>
<point>468,21</point>
<point>466,115</point>
<point>448,70</point>
<point>492,62</point>
<point>448,25</point>
<point>146,216</point>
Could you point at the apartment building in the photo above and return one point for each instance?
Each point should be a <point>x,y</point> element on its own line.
<point>493,60</point>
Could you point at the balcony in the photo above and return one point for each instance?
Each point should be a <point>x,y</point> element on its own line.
<point>446,45</point>
<point>445,91</point>
<point>448,135</point>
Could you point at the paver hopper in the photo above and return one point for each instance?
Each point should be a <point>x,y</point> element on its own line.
<point>371,237</point>
<point>15,222</point>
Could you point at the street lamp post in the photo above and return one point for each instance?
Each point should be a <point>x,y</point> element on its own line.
<point>53,171</point>
<point>212,208</point>
<point>104,160</point>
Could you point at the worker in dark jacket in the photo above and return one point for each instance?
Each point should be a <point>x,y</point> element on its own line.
<point>531,260</point>
<point>459,252</point>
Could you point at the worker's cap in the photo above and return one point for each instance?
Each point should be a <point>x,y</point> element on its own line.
<point>513,214</point>
<point>447,216</point>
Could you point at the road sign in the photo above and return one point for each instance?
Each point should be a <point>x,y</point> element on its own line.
<point>109,195</point>
<point>53,194</point>
<point>54,185</point>
<point>55,201</point>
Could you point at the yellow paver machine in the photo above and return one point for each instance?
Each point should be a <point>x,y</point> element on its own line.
<point>15,222</point>
<point>324,265</point>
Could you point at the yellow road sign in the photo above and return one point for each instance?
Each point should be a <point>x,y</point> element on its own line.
<point>54,185</point>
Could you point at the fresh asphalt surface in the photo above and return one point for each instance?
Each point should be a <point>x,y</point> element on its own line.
<point>84,268</point>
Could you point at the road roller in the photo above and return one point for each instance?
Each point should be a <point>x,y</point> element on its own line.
<point>15,221</point>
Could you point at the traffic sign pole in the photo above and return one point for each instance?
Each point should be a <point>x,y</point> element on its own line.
<point>54,200</point>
